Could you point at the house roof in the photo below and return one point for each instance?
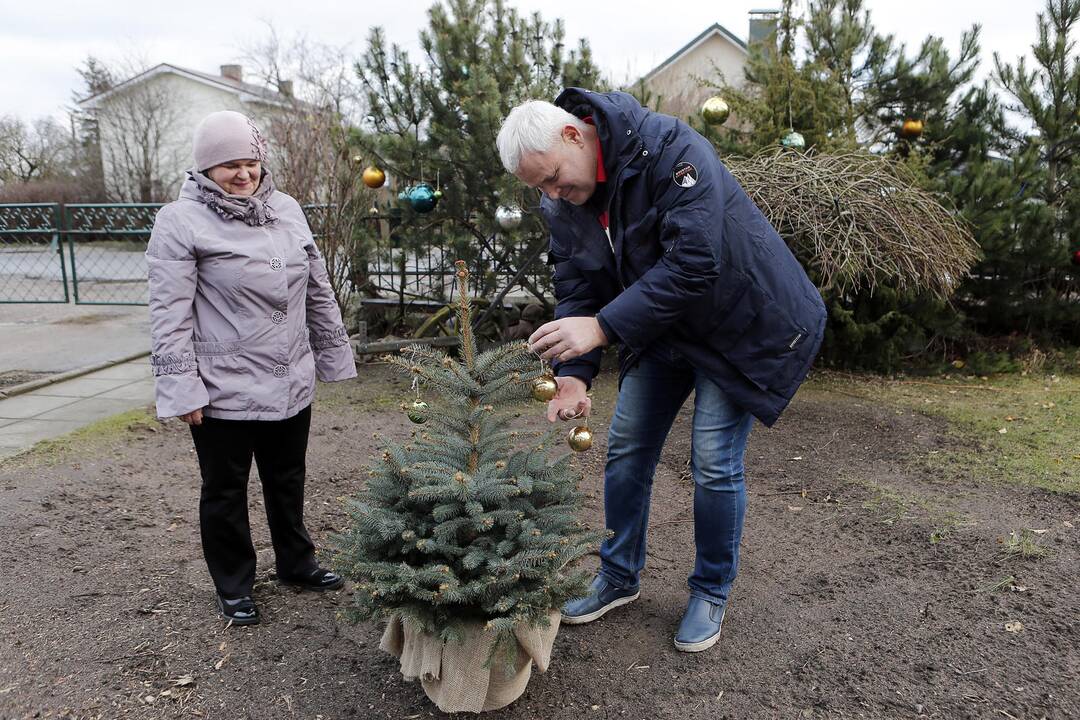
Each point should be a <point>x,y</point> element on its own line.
<point>247,91</point>
<point>714,29</point>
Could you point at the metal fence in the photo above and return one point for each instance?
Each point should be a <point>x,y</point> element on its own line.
<point>31,254</point>
<point>95,254</point>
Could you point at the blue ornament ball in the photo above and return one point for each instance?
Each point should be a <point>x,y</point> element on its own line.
<point>422,198</point>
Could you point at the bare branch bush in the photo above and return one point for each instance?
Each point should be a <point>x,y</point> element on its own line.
<point>859,220</point>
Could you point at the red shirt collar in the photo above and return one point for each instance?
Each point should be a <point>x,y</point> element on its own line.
<point>601,174</point>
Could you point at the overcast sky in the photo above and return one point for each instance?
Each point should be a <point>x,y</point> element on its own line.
<point>41,43</point>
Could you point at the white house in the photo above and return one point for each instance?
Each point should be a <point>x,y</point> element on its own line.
<point>146,123</point>
<point>716,50</point>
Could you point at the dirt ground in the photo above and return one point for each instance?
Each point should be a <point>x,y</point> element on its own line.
<point>871,585</point>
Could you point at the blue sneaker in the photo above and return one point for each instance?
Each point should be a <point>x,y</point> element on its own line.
<point>603,596</point>
<point>700,626</point>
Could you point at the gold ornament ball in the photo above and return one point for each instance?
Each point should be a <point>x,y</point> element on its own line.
<point>580,438</point>
<point>715,111</point>
<point>911,128</point>
<point>544,388</point>
<point>374,177</point>
<point>418,412</point>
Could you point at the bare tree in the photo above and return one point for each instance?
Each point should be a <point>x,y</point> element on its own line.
<point>38,151</point>
<point>137,123</point>
<point>311,154</point>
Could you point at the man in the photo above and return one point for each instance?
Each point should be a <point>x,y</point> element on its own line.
<point>655,246</point>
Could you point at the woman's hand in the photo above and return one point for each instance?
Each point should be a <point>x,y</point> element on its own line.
<point>192,418</point>
<point>570,401</point>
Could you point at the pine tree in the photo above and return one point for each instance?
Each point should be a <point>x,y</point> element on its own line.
<point>436,120</point>
<point>851,87</point>
<point>470,520</point>
<point>1029,281</point>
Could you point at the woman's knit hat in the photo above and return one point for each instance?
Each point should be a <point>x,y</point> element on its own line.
<point>227,135</point>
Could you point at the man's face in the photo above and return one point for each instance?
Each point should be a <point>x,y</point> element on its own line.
<point>565,172</point>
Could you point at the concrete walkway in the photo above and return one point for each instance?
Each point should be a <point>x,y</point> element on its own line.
<point>56,409</point>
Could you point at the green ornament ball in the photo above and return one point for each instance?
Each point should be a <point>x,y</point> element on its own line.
<point>418,412</point>
<point>793,140</point>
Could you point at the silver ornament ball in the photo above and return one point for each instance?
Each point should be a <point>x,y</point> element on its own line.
<point>508,216</point>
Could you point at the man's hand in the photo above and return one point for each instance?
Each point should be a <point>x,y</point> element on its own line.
<point>192,418</point>
<point>567,338</point>
<point>570,401</point>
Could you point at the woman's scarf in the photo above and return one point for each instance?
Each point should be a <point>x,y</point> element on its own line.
<point>252,209</point>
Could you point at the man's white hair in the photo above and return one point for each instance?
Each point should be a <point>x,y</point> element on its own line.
<point>533,126</point>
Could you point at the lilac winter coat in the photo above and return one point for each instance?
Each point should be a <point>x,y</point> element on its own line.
<point>242,318</point>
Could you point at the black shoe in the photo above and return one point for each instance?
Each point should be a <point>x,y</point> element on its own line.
<point>318,580</point>
<point>240,611</point>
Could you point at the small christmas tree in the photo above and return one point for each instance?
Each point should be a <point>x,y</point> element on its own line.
<point>458,526</point>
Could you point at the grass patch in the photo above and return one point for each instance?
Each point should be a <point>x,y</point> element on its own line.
<point>96,433</point>
<point>1025,544</point>
<point>893,507</point>
<point>1022,429</point>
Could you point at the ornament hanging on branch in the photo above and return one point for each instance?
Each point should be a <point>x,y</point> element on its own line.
<point>422,198</point>
<point>1076,258</point>
<point>508,216</point>
<point>793,140</point>
<point>417,412</point>
<point>374,177</point>
<point>912,128</point>
<point>580,438</point>
<point>544,387</point>
<point>715,111</point>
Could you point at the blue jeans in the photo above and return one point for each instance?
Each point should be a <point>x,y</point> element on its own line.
<point>650,397</point>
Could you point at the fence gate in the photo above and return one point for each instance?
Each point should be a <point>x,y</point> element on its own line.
<point>31,254</point>
<point>107,245</point>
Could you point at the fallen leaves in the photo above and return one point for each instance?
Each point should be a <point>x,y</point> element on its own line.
<point>1014,626</point>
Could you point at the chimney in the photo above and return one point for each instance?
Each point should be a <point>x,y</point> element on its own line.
<point>233,72</point>
<point>285,87</point>
<point>762,27</point>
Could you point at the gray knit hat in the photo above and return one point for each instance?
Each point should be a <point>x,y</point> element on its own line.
<point>227,135</point>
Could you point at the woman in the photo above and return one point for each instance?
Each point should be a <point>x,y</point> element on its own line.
<point>242,321</point>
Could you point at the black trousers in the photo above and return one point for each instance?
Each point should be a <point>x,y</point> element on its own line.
<point>225,449</point>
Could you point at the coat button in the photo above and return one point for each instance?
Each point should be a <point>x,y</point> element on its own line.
<point>628,132</point>
<point>277,317</point>
<point>276,264</point>
<point>281,371</point>
<point>644,153</point>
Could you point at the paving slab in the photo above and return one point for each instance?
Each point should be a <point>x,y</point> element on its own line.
<point>142,390</point>
<point>87,410</point>
<point>123,371</point>
<point>81,387</point>
<point>25,433</point>
<point>27,406</point>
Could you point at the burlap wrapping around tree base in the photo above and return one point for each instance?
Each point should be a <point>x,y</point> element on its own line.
<point>453,674</point>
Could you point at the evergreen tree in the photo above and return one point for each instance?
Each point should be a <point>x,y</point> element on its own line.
<point>436,120</point>
<point>1028,282</point>
<point>97,78</point>
<point>464,523</point>
<point>852,87</point>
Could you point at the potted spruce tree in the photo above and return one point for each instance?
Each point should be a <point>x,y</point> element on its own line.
<point>462,538</point>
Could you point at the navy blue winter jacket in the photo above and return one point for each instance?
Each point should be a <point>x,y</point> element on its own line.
<point>692,264</point>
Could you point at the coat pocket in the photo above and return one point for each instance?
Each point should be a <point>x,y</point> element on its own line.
<point>760,339</point>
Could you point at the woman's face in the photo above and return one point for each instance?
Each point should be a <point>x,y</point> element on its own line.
<point>237,177</point>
